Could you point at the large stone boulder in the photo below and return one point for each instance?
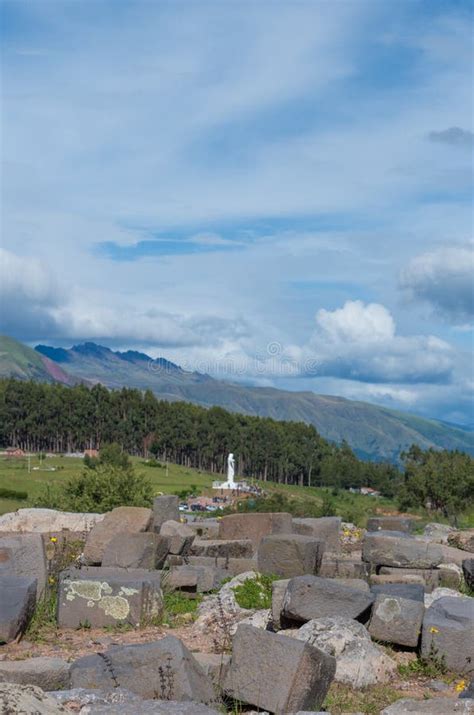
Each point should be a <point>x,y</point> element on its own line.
<point>288,555</point>
<point>254,526</point>
<point>277,673</point>
<point>180,536</point>
<point>396,619</point>
<point>107,596</point>
<point>24,555</point>
<point>17,603</point>
<point>47,521</point>
<point>384,548</point>
<point>390,523</point>
<point>165,508</point>
<point>163,669</point>
<point>448,633</point>
<point>230,548</point>
<point>309,597</point>
<point>123,519</point>
<point>44,672</point>
<point>435,706</point>
<point>144,550</point>
<point>359,662</point>
<point>327,528</point>
<point>18,699</point>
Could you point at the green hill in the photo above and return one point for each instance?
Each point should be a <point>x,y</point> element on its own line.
<point>373,432</point>
<point>24,363</point>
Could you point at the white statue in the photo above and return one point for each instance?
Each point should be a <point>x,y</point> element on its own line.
<point>230,470</point>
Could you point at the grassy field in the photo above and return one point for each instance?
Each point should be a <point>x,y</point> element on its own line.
<point>14,474</point>
<point>356,508</point>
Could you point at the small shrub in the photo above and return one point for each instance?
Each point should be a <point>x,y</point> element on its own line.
<point>176,605</point>
<point>255,593</point>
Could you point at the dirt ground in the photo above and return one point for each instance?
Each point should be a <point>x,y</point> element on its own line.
<point>72,644</point>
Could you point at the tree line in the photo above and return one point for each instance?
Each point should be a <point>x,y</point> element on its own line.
<point>55,418</point>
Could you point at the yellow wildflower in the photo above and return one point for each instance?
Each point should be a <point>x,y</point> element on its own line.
<point>53,539</point>
<point>434,630</point>
<point>459,687</point>
<point>51,579</point>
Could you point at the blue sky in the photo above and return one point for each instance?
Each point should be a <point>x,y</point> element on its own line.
<point>277,192</point>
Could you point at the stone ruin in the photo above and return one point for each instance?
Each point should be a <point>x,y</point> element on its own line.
<point>331,610</point>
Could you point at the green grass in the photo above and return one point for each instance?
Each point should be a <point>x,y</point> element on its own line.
<point>352,507</point>
<point>14,475</point>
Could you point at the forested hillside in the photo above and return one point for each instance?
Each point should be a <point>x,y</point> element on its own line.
<point>55,418</point>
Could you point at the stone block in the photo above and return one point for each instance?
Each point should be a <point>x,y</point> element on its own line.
<point>229,566</point>
<point>327,528</point>
<point>144,550</point>
<point>215,665</point>
<point>47,521</point>
<point>205,528</point>
<point>254,526</point>
<point>165,508</point>
<point>431,577</point>
<point>107,596</point>
<point>24,555</point>
<point>396,619</point>
<point>123,519</point>
<point>194,579</point>
<point>385,579</point>
<point>230,548</point>
<point>413,591</point>
<point>44,672</point>
<point>17,603</point>
<point>278,594</point>
<point>391,523</point>
<point>308,597</point>
<point>163,669</point>
<point>350,566</point>
<point>383,548</point>
<point>288,555</point>
<point>448,632</point>
<point>277,673</point>
<point>452,555</point>
<point>180,536</point>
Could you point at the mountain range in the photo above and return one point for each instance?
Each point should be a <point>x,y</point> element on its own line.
<point>374,432</point>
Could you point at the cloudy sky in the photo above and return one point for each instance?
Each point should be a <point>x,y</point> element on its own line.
<point>277,192</point>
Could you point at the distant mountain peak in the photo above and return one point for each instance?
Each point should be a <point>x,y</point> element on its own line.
<point>91,349</point>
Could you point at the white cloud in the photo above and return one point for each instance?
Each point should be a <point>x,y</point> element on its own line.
<point>359,342</point>
<point>357,323</point>
<point>444,278</point>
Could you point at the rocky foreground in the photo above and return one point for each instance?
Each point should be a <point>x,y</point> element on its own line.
<point>344,610</point>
